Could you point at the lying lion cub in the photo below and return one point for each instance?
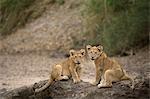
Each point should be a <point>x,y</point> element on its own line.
<point>69,68</point>
<point>107,70</point>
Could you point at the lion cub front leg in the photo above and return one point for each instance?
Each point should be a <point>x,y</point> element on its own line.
<point>98,76</point>
<point>75,75</point>
<point>78,71</point>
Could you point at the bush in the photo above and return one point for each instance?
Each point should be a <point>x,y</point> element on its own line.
<point>15,13</point>
<point>116,24</point>
<point>60,2</point>
<point>12,14</point>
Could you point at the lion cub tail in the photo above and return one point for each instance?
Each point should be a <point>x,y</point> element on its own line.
<point>45,86</point>
<point>127,77</point>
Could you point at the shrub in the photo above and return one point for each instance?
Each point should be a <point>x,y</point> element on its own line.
<point>15,13</point>
<point>116,24</point>
<point>12,14</point>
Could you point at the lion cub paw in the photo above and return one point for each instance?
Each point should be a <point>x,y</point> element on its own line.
<point>77,81</point>
<point>94,83</point>
<point>103,86</point>
<point>100,85</point>
<point>65,77</point>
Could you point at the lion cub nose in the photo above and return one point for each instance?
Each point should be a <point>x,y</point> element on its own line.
<point>92,58</point>
<point>78,62</point>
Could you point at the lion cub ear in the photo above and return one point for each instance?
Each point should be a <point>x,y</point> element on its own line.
<point>88,47</point>
<point>82,51</point>
<point>72,52</point>
<point>100,47</point>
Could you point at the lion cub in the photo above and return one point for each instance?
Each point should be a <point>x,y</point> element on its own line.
<point>107,70</point>
<point>69,68</point>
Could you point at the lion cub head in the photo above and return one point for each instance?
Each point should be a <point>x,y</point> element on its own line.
<point>77,56</point>
<point>94,52</point>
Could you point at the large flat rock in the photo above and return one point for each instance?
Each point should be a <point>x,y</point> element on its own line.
<point>68,90</point>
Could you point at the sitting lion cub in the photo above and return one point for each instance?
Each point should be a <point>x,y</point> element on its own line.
<point>69,68</point>
<point>107,70</point>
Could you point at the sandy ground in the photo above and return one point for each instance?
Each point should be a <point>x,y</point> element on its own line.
<point>18,70</point>
<point>24,69</point>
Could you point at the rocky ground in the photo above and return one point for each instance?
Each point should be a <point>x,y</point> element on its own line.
<point>25,69</point>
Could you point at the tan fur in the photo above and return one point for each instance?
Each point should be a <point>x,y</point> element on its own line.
<point>107,70</point>
<point>67,69</point>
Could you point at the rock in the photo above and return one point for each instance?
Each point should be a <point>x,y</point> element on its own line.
<point>69,90</point>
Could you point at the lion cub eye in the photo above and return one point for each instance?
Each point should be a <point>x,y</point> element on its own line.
<point>89,48</point>
<point>95,52</point>
<point>82,53</point>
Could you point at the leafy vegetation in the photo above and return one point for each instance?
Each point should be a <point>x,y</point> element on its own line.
<point>116,24</point>
<point>60,1</point>
<point>15,13</point>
